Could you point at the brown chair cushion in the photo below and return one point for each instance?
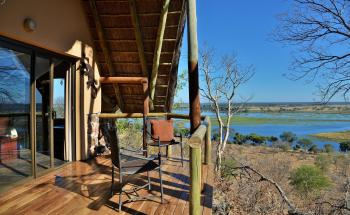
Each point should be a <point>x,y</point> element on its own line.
<point>163,129</point>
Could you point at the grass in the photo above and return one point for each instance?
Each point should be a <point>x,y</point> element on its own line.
<point>335,136</point>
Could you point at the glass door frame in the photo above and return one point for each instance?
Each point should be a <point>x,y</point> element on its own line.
<point>34,51</point>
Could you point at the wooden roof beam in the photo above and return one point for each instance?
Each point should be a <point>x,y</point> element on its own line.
<point>123,80</point>
<point>138,36</point>
<point>158,48</point>
<point>105,49</point>
<point>173,73</point>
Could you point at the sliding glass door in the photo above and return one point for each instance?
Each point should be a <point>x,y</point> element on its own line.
<point>15,145</point>
<point>32,112</point>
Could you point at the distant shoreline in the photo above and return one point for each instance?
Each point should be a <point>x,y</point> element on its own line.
<point>300,107</point>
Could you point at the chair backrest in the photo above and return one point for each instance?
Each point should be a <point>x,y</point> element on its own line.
<point>163,129</point>
<point>110,132</point>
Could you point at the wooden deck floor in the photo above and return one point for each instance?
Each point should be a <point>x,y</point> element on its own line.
<point>84,188</point>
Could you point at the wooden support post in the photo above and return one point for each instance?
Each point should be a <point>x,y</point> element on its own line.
<point>195,112</point>
<point>195,193</point>
<point>50,117</point>
<point>208,147</point>
<point>145,113</point>
<point>193,78</point>
<point>158,48</point>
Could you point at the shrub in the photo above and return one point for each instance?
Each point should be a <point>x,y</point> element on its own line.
<point>227,167</point>
<point>328,148</point>
<point>305,143</point>
<point>256,139</point>
<point>313,148</point>
<point>273,139</point>
<point>344,146</point>
<point>216,136</point>
<point>288,137</point>
<point>307,179</point>
<point>240,138</point>
<point>323,162</point>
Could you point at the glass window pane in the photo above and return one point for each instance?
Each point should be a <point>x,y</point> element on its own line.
<point>15,147</point>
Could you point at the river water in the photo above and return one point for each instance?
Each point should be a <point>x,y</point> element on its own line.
<point>302,124</point>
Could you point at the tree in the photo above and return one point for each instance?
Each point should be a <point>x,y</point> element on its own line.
<point>288,137</point>
<point>59,107</point>
<point>313,148</point>
<point>181,83</point>
<point>221,83</point>
<point>305,143</point>
<point>344,146</point>
<point>328,148</point>
<point>321,30</point>
<point>308,179</point>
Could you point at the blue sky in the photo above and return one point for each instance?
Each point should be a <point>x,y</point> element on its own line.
<point>244,27</point>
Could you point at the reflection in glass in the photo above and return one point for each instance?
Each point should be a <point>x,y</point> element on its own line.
<point>15,147</point>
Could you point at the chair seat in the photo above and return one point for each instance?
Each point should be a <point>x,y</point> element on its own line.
<point>132,165</point>
<point>163,143</point>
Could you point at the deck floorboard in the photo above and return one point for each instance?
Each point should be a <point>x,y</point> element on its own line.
<point>84,188</point>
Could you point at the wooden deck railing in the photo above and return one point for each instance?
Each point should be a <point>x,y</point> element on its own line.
<point>201,138</point>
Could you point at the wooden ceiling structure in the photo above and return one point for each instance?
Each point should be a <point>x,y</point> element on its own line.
<point>137,38</point>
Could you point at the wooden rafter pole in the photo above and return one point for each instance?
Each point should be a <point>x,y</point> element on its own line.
<point>158,48</point>
<point>195,112</point>
<point>123,80</point>
<point>105,50</point>
<point>138,36</point>
<point>175,61</point>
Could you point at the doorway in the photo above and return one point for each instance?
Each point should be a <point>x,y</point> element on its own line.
<point>35,111</point>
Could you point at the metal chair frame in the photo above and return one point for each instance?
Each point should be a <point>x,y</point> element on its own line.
<point>150,164</point>
<point>155,142</point>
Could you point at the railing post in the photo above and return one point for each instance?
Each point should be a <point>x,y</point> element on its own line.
<point>195,143</point>
<point>195,174</point>
<point>208,148</point>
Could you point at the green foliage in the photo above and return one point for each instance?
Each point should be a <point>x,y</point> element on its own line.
<point>328,148</point>
<point>308,179</point>
<point>228,166</point>
<point>216,136</point>
<point>181,83</point>
<point>239,139</point>
<point>305,143</point>
<point>323,162</point>
<point>273,139</point>
<point>181,129</point>
<point>256,139</point>
<point>288,137</point>
<point>313,149</point>
<point>130,133</point>
<point>344,146</point>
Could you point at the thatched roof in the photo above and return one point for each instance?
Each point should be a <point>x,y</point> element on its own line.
<point>118,34</point>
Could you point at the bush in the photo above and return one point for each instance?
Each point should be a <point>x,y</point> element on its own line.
<point>313,149</point>
<point>323,162</point>
<point>308,179</point>
<point>328,148</point>
<point>344,146</point>
<point>216,136</point>
<point>273,139</point>
<point>227,167</point>
<point>288,137</point>
<point>240,139</point>
<point>256,139</point>
<point>305,143</point>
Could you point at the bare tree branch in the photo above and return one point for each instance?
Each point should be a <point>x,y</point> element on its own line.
<point>321,30</point>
